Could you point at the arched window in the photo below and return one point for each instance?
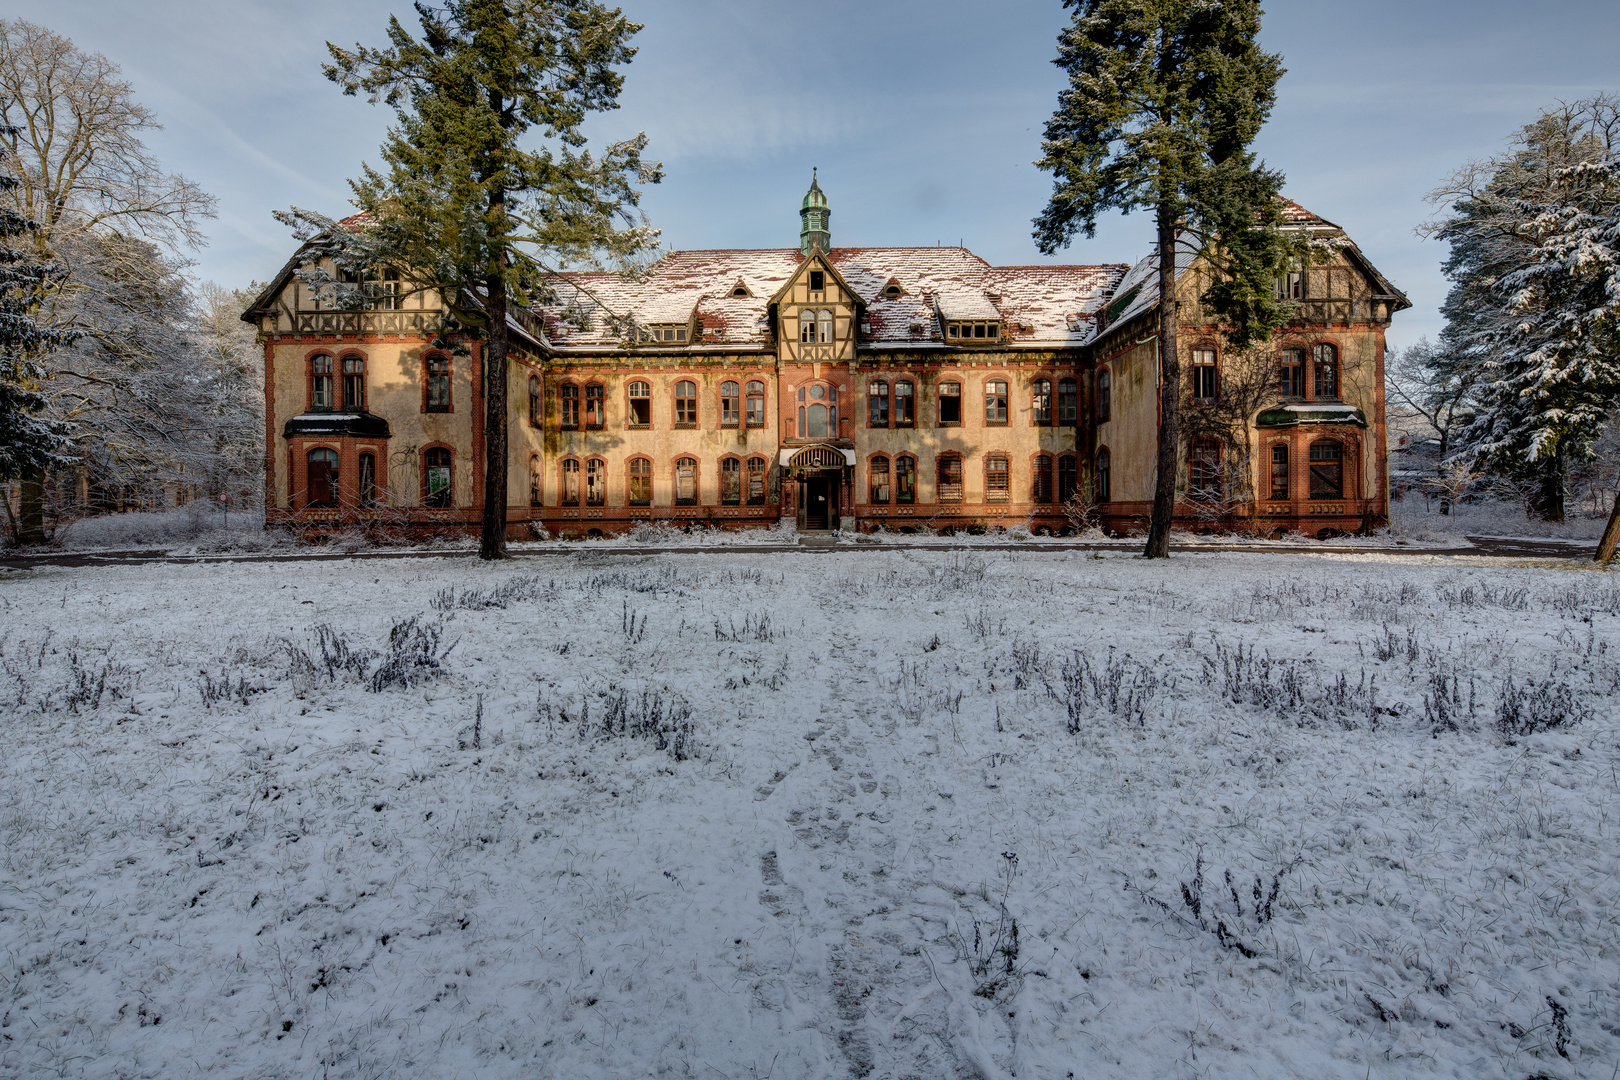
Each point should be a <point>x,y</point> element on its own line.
<point>1040,401</point>
<point>1105,394</point>
<point>818,420</point>
<point>1069,402</point>
<point>595,407</point>
<point>905,479</point>
<point>756,481</point>
<point>596,482</point>
<point>1291,373</point>
<point>730,481</point>
<point>438,384</point>
<point>905,404</point>
<point>995,403</point>
<point>948,469</point>
<point>640,395</point>
<point>354,383</point>
<point>756,404</point>
<point>1326,363</point>
<point>366,484</point>
<point>568,406</point>
<point>1327,469</point>
<point>1042,486</point>
<point>1068,477</point>
<point>569,496</point>
<point>824,323</point>
<point>640,482</point>
<point>997,478</point>
<point>535,478</point>
<point>878,474</point>
<point>1205,382</point>
<point>536,415</point>
<point>877,405</point>
<point>686,404</point>
<point>950,404</point>
<point>436,478</point>
<point>1204,469</point>
<point>1104,482</point>
<point>320,384</point>
<point>1279,470</point>
<point>686,481</point>
<point>323,477</point>
<point>730,404</point>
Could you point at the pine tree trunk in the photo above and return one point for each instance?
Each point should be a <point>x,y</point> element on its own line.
<point>492,540</point>
<point>1549,497</point>
<point>1164,491</point>
<point>1611,534</point>
<point>31,507</point>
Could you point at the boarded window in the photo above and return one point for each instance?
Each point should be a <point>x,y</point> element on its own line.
<point>756,481</point>
<point>1327,469</point>
<point>730,482</point>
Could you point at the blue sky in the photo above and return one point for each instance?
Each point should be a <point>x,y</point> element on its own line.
<point>923,115</point>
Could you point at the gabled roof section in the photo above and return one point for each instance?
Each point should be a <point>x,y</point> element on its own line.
<point>815,255</point>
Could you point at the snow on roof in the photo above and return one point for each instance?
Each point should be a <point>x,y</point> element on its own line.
<point>1295,214</point>
<point>1042,306</point>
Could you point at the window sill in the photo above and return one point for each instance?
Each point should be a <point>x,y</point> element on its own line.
<point>685,427</point>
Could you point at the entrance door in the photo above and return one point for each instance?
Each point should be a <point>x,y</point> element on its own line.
<point>817,510</point>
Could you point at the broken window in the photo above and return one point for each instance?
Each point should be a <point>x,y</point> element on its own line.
<point>905,404</point>
<point>323,478</point>
<point>1279,470</point>
<point>877,401</point>
<point>756,404</point>
<point>640,482</point>
<point>535,479</point>
<point>730,481</point>
<point>756,481</point>
<point>570,483</point>
<point>730,405</point>
<point>1204,469</point>
<point>950,404</point>
<point>905,479</point>
<point>436,480</point>
<point>686,481</point>
<point>1069,402</point>
<point>438,384</point>
<point>1103,482</point>
<point>878,474</point>
<point>640,395</point>
<point>595,406</point>
<point>995,403</point>
<point>596,482</point>
<point>536,417</point>
<point>1040,399</point>
<point>1068,477</point>
<point>366,487</point>
<point>1326,365</point>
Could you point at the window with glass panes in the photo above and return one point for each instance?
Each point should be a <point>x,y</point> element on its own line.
<point>905,404</point>
<point>595,406</point>
<point>354,383</point>
<point>320,394</point>
<point>1040,400</point>
<point>1069,402</point>
<point>640,482</point>
<point>1325,364</point>
<point>756,404</point>
<point>757,468</point>
<point>568,406</point>
<point>685,404</point>
<point>995,403</point>
<point>438,384</point>
<point>877,404</point>
<point>905,479</point>
<point>1291,373</point>
<point>730,404</point>
<point>1068,477</point>
<point>1104,483</point>
<point>1279,470</point>
<point>1204,383</point>
<point>878,479</point>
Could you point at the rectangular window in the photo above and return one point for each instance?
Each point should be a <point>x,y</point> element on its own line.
<point>595,407</point>
<point>438,384</point>
<point>640,396</point>
<point>818,280</point>
<point>756,404</point>
<point>997,479</point>
<point>730,482</point>
<point>1327,470</point>
<point>1041,403</point>
<point>1069,400</point>
<point>995,403</point>
<point>877,400</point>
<point>878,472</point>
<point>905,481</point>
<point>568,406</point>
<point>1326,365</point>
<point>685,404</point>
<point>1291,374</point>
<point>905,405</point>
<point>949,472</point>
<point>1204,383</point>
<point>1279,471</point>
<point>756,481</point>
<point>354,384</point>
<point>730,405</point>
<point>950,404</point>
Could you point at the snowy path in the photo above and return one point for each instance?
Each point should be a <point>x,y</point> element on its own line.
<point>222,852</point>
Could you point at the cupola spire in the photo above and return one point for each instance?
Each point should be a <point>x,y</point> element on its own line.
<point>815,218</point>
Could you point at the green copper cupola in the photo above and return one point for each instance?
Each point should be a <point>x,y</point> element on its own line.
<point>815,217</point>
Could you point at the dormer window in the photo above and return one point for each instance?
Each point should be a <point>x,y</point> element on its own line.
<point>663,333</point>
<point>978,332</point>
<point>892,291</point>
<point>739,291</point>
<point>818,280</point>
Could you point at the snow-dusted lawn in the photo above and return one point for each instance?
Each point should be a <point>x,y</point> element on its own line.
<point>310,877</point>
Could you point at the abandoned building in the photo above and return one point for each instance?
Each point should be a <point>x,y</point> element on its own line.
<point>842,387</point>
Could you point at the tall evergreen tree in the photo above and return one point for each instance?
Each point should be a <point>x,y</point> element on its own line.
<point>1164,98</point>
<point>473,212</point>
<point>1533,316</point>
<point>29,442</point>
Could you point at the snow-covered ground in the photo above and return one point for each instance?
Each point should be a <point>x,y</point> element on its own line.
<point>845,813</point>
<point>1413,519</point>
